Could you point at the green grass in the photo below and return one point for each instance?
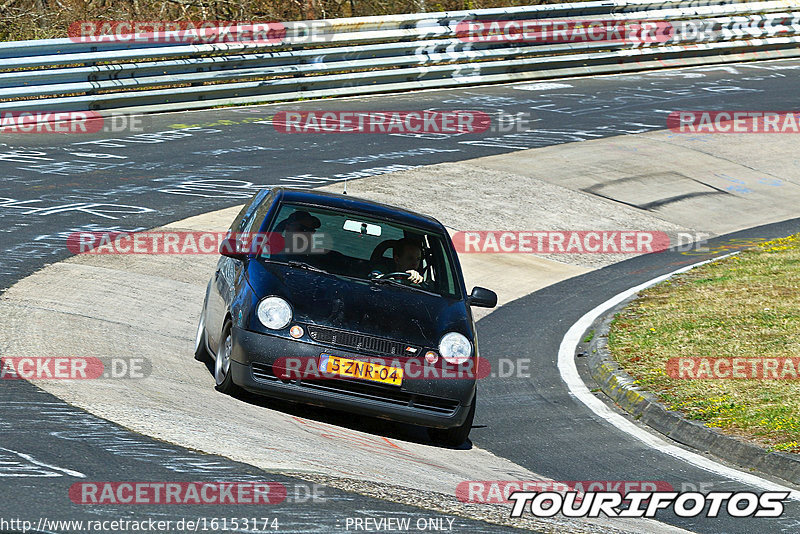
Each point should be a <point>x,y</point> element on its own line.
<point>744,306</point>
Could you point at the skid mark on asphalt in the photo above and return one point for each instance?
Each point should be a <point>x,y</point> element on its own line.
<point>652,191</point>
<point>371,444</point>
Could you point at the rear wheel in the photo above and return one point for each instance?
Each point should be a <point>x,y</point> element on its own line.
<point>222,367</point>
<point>458,435</point>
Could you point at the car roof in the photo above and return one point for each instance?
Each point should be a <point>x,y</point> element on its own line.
<point>360,205</point>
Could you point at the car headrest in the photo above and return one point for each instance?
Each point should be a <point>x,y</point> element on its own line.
<point>381,249</point>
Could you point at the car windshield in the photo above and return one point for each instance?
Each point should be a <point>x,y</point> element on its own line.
<point>352,245</point>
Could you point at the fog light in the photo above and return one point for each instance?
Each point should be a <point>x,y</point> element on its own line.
<point>431,357</point>
<point>296,331</point>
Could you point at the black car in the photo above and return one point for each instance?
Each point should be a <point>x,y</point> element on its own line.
<point>340,302</point>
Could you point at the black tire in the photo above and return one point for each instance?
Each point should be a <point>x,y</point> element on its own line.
<point>457,435</point>
<point>200,349</point>
<point>222,373</point>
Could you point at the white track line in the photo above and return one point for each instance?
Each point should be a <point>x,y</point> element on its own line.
<point>34,461</point>
<point>569,373</point>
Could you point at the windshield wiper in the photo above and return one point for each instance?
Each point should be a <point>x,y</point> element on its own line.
<point>304,265</point>
<point>398,283</point>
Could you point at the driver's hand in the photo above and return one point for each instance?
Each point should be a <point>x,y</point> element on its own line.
<point>414,277</point>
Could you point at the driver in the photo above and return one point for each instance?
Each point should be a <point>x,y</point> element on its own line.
<point>407,255</point>
<point>298,230</point>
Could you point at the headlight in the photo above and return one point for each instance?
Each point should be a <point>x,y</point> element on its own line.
<point>455,348</point>
<point>274,313</point>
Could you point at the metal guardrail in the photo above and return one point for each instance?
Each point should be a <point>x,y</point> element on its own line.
<point>376,54</point>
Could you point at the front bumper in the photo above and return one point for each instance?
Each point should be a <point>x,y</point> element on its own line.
<point>436,403</point>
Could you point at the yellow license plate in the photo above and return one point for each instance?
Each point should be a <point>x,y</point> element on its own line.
<point>362,370</point>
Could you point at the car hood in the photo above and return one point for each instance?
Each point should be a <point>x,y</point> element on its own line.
<point>380,310</point>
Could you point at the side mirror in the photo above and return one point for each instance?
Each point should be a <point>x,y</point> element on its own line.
<point>482,297</point>
<point>231,248</point>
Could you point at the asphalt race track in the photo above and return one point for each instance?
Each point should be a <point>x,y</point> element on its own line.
<point>33,421</point>
<point>185,164</point>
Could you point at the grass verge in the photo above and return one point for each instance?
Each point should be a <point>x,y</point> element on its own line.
<point>746,306</point>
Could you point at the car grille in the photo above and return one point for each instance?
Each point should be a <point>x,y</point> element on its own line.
<point>365,390</point>
<point>360,342</point>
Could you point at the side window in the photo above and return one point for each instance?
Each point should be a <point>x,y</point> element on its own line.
<point>245,217</point>
<point>240,218</point>
<point>255,220</point>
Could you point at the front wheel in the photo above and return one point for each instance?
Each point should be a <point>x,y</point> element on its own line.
<point>458,435</point>
<point>200,351</point>
<point>222,367</point>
